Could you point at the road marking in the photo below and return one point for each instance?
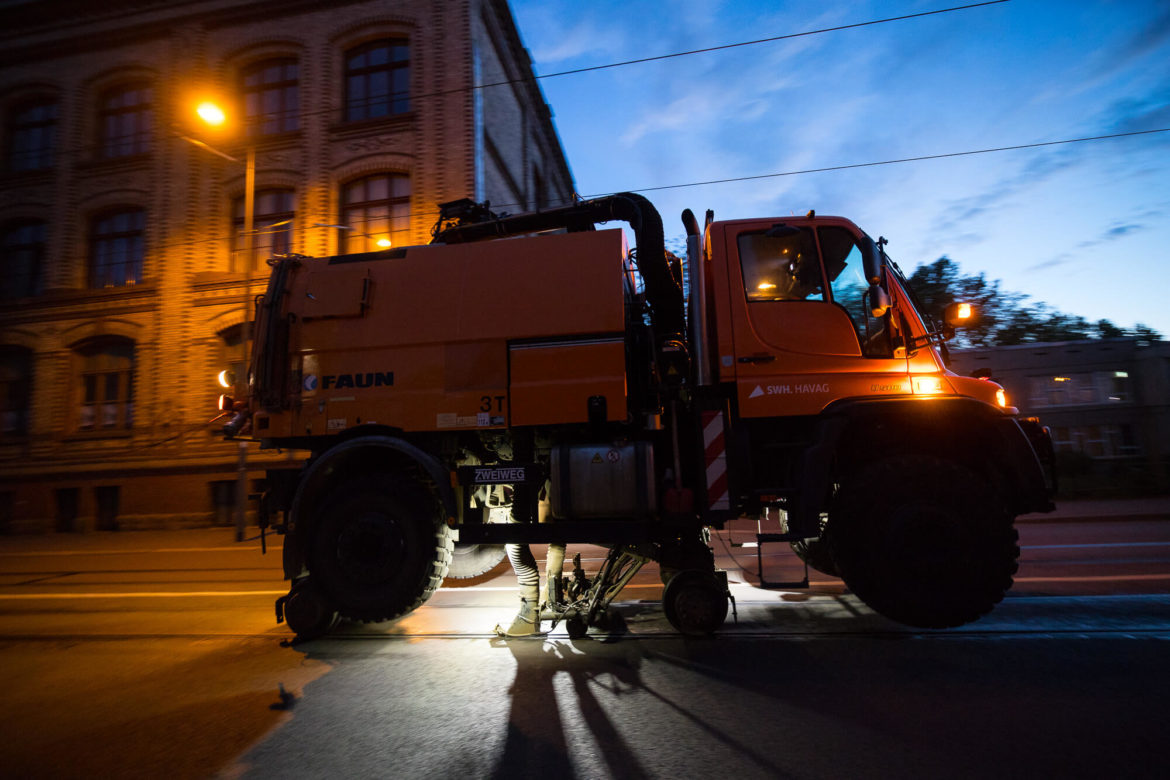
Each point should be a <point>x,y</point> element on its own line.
<point>140,595</point>
<point>1103,544</point>
<point>37,554</point>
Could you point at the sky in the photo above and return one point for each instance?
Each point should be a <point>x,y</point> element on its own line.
<point>1084,227</point>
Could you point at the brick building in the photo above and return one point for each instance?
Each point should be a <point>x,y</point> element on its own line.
<point>125,267</point>
<point>1106,401</point>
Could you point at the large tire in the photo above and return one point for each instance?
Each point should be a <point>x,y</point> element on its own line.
<point>816,554</point>
<point>923,541</point>
<point>380,548</point>
<point>472,560</point>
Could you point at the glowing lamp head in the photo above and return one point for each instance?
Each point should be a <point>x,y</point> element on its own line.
<point>1001,398</point>
<point>383,243</point>
<point>957,314</point>
<point>226,379</point>
<point>211,113</point>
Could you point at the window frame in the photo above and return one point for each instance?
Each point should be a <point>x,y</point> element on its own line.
<point>364,229</point>
<point>42,129</point>
<point>396,103</point>
<point>99,411</point>
<point>97,240</point>
<point>287,117</point>
<point>261,220</point>
<point>31,254</point>
<point>137,142</point>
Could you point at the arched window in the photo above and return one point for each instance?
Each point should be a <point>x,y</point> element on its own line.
<point>376,209</point>
<point>116,248</point>
<point>272,227</point>
<point>22,255</point>
<point>106,368</point>
<point>125,120</point>
<point>271,96</point>
<point>377,79</point>
<point>15,391</point>
<point>32,135</point>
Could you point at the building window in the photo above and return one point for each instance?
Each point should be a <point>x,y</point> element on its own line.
<point>271,97</point>
<point>125,119</point>
<point>107,385</point>
<point>32,135</point>
<point>377,80</point>
<point>15,391</point>
<point>116,249</point>
<point>272,227</point>
<point>377,210</point>
<point>22,254</point>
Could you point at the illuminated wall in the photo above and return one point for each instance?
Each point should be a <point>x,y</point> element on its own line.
<point>124,262</point>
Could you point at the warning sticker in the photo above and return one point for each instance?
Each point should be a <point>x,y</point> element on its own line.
<point>335,424</point>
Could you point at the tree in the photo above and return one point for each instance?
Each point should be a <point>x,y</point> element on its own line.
<point>1006,318</point>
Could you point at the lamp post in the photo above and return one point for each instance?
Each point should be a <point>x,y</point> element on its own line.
<point>214,116</point>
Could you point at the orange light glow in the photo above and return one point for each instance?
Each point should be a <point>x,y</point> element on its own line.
<point>1001,398</point>
<point>211,113</point>
<point>927,385</point>
<point>964,311</point>
<point>383,242</point>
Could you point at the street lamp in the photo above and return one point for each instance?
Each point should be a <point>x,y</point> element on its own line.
<point>215,116</point>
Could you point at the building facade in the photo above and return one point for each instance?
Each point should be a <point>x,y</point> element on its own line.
<point>1106,401</point>
<point>126,273</point>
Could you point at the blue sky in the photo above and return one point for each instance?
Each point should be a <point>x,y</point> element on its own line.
<point>1084,227</point>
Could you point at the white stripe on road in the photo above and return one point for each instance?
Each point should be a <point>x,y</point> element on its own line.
<point>37,554</point>
<point>157,595</point>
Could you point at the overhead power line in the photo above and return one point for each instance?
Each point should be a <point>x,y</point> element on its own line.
<point>826,169</point>
<point>772,39</point>
<point>896,161</point>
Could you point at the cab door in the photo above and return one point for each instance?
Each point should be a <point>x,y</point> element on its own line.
<point>798,341</point>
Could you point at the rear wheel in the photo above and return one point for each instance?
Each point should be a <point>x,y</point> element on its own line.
<point>923,541</point>
<point>380,549</point>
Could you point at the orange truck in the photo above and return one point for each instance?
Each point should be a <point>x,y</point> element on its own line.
<point>529,379</point>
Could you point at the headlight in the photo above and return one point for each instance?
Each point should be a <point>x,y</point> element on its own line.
<point>1001,398</point>
<point>226,379</point>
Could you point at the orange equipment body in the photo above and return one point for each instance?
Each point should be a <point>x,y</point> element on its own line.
<point>440,387</point>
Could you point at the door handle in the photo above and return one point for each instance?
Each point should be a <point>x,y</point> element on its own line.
<point>757,359</point>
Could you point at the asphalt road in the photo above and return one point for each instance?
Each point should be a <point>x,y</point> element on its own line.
<point>157,654</point>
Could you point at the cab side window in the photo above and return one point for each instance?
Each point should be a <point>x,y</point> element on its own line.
<point>850,290</point>
<point>781,267</point>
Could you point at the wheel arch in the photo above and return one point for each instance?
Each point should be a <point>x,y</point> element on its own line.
<point>970,432</point>
<point>350,458</point>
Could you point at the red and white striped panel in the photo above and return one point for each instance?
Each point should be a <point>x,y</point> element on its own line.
<point>715,449</point>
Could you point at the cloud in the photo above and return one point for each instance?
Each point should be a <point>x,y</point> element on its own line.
<point>1115,232</point>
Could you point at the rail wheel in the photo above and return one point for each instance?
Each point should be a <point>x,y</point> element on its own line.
<point>815,552</point>
<point>380,548</point>
<point>472,560</point>
<point>695,602</point>
<point>306,611</point>
<point>923,541</point>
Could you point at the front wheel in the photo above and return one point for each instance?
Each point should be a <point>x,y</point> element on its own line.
<point>380,549</point>
<point>923,541</point>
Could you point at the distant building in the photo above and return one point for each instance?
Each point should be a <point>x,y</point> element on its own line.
<point>124,274</point>
<point>1107,400</point>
